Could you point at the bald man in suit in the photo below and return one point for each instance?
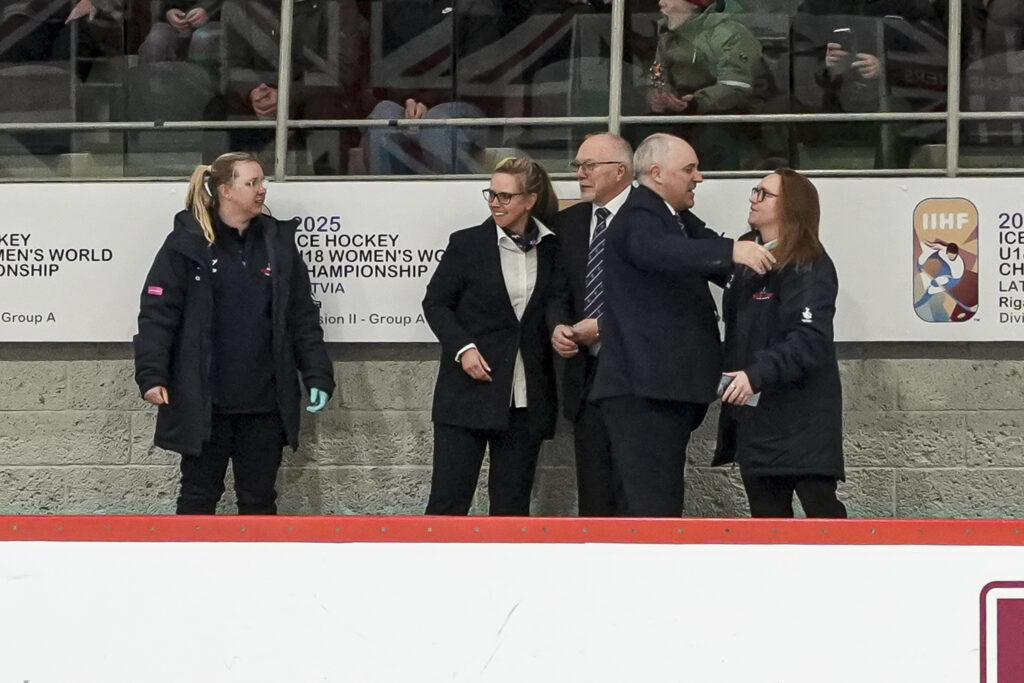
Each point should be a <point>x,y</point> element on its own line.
<point>661,355</point>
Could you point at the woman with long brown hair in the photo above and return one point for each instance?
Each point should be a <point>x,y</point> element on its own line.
<point>487,302</point>
<point>782,411</point>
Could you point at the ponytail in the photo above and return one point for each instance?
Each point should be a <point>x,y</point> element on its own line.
<point>199,200</point>
<point>203,185</point>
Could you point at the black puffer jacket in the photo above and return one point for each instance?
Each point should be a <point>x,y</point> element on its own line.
<point>173,347</point>
<point>778,329</point>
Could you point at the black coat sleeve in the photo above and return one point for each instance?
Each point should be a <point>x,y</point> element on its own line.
<point>805,336</point>
<point>444,291</point>
<point>559,309</point>
<point>160,312</point>
<point>636,235</point>
<point>311,358</point>
<point>702,232</point>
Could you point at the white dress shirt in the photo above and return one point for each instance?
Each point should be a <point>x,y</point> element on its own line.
<point>519,270</point>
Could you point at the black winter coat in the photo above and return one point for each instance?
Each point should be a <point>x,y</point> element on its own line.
<point>173,347</point>
<point>778,329</point>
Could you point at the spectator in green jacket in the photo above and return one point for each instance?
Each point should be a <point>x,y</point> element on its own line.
<point>708,63</point>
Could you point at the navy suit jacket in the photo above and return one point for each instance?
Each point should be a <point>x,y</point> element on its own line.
<point>467,302</point>
<point>573,228</point>
<point>659,331</point>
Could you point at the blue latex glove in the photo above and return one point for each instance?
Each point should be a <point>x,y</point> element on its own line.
<point>317,400</point>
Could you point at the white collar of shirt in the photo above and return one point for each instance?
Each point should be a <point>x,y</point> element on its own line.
<point>674,212</point>
<point>614,204</point>
<point>505,241</point>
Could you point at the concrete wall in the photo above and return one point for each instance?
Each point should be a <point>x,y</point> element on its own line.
<point>931,431</point>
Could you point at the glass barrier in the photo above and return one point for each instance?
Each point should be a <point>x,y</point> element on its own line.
<point>110,61</point>
<point>991,144</point>
<point>804,146</point>
<point>104,60</point>
<point>410,59</point>
<point>108,154</point>
<point>433,150</point>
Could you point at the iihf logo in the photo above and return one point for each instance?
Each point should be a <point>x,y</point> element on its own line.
<point>945,260</point>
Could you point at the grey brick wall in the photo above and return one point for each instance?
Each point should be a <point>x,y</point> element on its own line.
<point>930,431</point>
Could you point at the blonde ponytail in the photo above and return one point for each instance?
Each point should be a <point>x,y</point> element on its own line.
<point>199,200</point>
<point>203,185</point>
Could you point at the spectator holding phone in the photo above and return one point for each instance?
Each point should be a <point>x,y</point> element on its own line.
<point>853,64</point>
<point>841,56</point>
<point>779,343</point>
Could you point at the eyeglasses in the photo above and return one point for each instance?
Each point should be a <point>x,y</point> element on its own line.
<point>503,197</point>
<point>758,194</point>
<point>257,183</point>
<point>588,166</point>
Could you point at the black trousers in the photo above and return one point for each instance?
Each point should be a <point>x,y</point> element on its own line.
<point>458,455</point>
<point>596,482</point>
<point>596,485</point>
<point>773,496</point>
<point>648,440</point>
<point>253,444</point>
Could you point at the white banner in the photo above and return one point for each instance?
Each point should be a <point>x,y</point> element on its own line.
<point>919,259</point>
<point>130,612</point>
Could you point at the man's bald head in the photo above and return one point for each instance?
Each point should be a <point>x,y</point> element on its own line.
<point>669,166</point>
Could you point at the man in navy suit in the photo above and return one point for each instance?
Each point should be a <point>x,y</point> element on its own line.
<point>661,355</point>
<point>604,169</point>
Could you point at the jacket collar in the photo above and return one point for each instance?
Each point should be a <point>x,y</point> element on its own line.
<point>503,238</point>
<point>187,235</point>
<point>655,203</point>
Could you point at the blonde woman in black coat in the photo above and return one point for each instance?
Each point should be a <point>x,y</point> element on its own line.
<point>488,303</point>
<point>227,325</point>
<point>779,347</point>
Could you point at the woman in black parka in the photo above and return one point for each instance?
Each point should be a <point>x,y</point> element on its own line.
<point>227,325</point>
<point>778,344</point>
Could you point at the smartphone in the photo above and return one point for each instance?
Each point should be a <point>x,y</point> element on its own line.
<point>723,384</point>
<point>845,37</point>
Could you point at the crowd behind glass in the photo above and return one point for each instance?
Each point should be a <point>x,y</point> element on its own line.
<point>103,61</point>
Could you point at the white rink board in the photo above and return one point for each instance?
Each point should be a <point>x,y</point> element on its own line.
<point>867,226</point>
<point>162,612</point>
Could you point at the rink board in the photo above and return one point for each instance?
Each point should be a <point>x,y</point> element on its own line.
<point>426,599</point>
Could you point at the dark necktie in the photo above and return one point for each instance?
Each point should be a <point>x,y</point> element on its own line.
<point>593,300</point>
<point>682,225</point>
